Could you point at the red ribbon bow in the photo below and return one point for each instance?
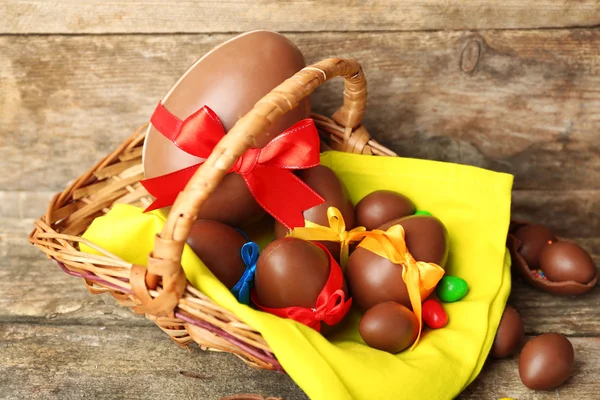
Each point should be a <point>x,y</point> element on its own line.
<point>266,171</point>
<point>331,305</point>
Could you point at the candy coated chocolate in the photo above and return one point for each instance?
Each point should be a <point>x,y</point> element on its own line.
<point>324,181</point>
<point>451,289</point>
<point>381,206</point>
<point>374,279</point>
<point>510,334</point>
<point>566,261</point>
<point>434,315</point>
<point>426,238</point>
<point>219,247</point>
<point>290,272</point>
<point>546,361</point>
<point>230,79</point>
<point>533,239</point>
<point>389,327</point>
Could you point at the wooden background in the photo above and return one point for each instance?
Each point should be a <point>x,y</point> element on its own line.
<point>508,85</point>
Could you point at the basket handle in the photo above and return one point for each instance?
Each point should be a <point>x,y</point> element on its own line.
<point>165,260</point>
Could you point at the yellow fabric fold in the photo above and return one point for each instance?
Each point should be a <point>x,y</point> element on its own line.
<point>473,203</point>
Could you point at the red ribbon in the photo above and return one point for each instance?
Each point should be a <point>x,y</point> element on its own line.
<point>266,171</point>
<point>331,306</point>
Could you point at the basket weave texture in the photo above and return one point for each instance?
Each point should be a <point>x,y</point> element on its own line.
<point>160,290</point>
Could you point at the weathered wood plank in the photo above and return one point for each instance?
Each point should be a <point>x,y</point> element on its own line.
<point>527,107</point>
<point>68,362</point>
<point>569,213</point>
<point>500,378</point>
<point>154,16</point>
<point>137,362</point>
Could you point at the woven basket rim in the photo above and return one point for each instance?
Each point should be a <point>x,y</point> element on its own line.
<point>115,179</point>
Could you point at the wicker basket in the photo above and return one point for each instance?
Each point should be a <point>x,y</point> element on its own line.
<point>161,291</point>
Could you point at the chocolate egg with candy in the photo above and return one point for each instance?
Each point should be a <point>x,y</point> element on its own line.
<point>560,267</point>
<point>324,181</point>
<point>299,279</point>
<point>381,206</point>
<point>228,80</point>
<point>533,240</point>
<point>374,278</point>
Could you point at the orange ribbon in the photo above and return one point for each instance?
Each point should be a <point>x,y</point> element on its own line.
<point>335,232</point>
<point>420,277</point>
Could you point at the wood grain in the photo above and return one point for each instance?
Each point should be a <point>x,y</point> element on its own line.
<point>155,16</point>
<point>105,362</point>
<point>528,107</point>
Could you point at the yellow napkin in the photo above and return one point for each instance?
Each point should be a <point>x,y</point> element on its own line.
<point>473,203</point>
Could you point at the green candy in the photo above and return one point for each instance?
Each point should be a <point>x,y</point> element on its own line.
<point>451,289</point>
<point>422,212</point>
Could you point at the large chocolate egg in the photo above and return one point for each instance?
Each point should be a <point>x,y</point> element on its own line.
<point>510,334</point>
<point>389,327</point>
<point>533,239</point>
<point>426,238</point>
<point>229,79</point>
<point>546,361</point>
<point>324,181</point>
<point>566,261</point>
<point>373,279</point>
<point>290,272</point>
<point>219,247</point>
<point>381,206</point>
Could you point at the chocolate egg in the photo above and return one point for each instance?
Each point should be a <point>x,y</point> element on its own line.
<point>389,327</point>
<point>324,181</point>
<point>426,238</point>
<point>566,261</point>
<point>373,279</point>
<point>290,272</point>
<point>381,206</point>
<point>229,79</point>
<point>510,334</point>
<point>546,361</point>
<point>533,239</point>
<point>219,247</point>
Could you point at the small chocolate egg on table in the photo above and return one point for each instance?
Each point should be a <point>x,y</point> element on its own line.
<point>299,279</point>
<point>509,335</point>
<point>389,327</point>
<point>229,80</point>
<point>324,181</point>
<point>546,361</point>
<point>375,279</point>
<point>381,206</point>
<point>219,247</point>
<point>561,267</point>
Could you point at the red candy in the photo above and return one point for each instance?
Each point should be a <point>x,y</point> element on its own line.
<point>434,315</point>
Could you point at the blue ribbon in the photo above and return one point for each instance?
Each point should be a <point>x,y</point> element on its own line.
<point>242,288</point>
